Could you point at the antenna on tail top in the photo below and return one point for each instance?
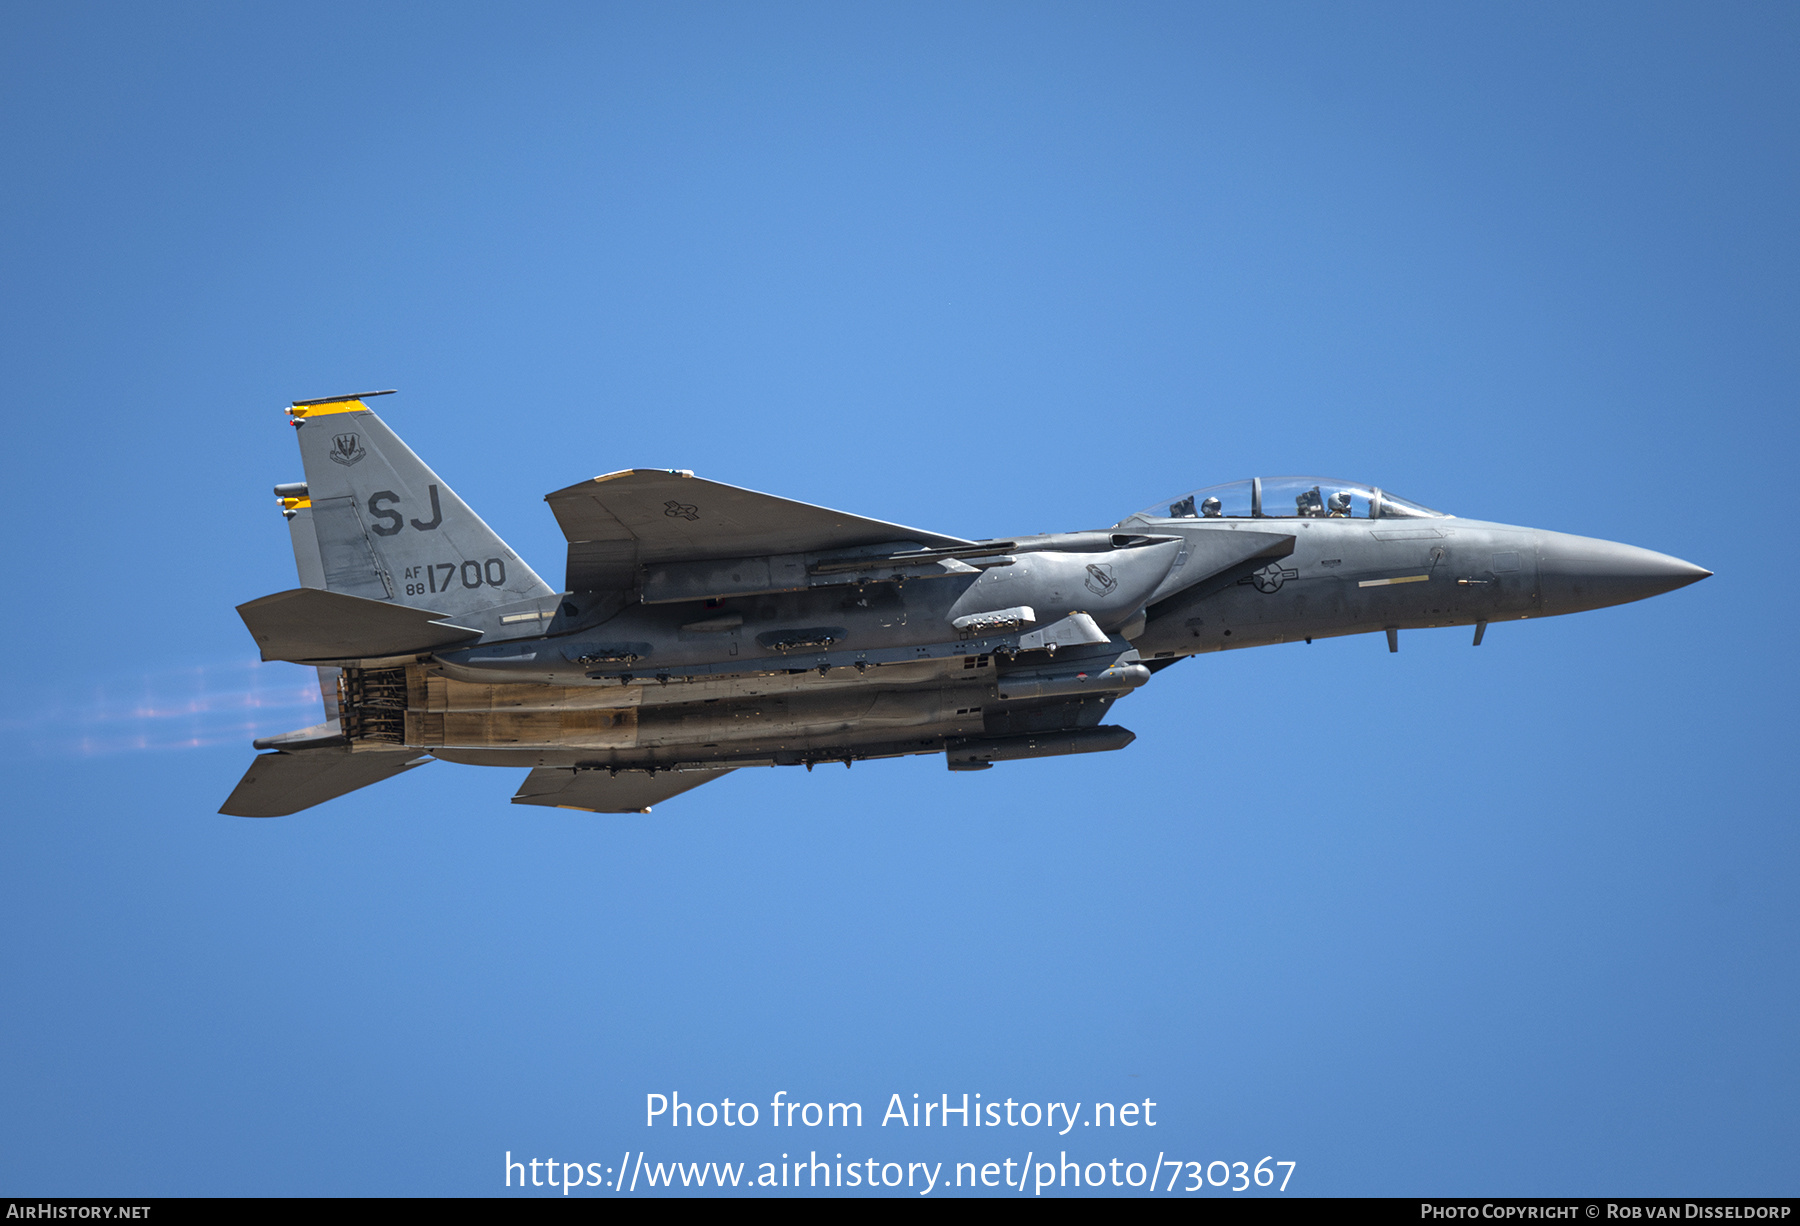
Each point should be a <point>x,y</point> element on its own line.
<point>301,404</point>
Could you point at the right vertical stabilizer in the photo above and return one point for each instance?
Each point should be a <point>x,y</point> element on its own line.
<point>387,527</point>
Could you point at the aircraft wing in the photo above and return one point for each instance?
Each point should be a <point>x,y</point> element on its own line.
<point>597,791</point>
<point>281,783</point>
<point>624,520</point>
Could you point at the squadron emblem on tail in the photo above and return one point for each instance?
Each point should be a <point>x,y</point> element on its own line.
<point>346,450</point>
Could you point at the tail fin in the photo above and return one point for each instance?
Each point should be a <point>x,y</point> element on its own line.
<point>388,528</point>
<point>298,509</point>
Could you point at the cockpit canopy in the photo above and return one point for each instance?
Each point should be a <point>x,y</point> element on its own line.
<point>1289,498</point>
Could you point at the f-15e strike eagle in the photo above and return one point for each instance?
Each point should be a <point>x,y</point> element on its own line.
<point>702,627</point>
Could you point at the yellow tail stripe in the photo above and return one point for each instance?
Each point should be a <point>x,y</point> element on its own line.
<point>335,406</point>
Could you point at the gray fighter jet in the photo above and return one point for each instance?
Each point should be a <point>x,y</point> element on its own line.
<point>702,627</point>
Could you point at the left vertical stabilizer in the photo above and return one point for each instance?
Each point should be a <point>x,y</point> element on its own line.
<point>297,507</point>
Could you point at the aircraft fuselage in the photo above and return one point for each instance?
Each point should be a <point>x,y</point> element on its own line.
<point>877,667</point>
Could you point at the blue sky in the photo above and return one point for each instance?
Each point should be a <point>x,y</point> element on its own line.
<point>1516,920</point>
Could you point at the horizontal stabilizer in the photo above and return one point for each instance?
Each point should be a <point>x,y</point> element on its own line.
<point>624,520</point>
<point>281,783</point>
<point>310,624</point>
<point>599,791</point>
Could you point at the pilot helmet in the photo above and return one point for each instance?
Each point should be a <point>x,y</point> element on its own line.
<point>1210,508</point>
<point>1340,503</point>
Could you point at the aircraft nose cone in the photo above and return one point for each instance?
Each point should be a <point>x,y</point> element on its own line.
<point>1578,572</point>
